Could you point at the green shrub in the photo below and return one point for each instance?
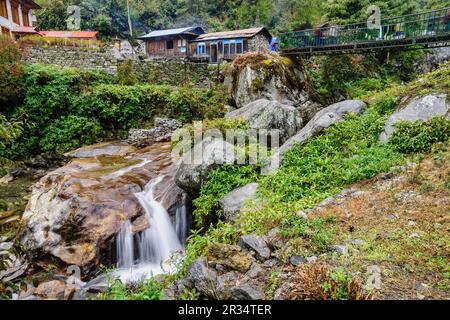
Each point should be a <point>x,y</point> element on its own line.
<point>148,289</point>
<point>419,136</point>
<point>12,86</point>
<point>69,133</point>
<point>54,95</point>
<point>220,182</point>
<point>125,73</point>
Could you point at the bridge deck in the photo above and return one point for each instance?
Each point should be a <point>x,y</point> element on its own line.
<point>428,29</point>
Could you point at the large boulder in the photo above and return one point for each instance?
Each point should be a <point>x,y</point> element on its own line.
<point>76,211</point>
<point>421,108</point>
<point>196,164</point>
<point>433,59</point>
<point>269,76</point>
<point>321,121</point>
<point>233,203</point>
<point>267,115</point>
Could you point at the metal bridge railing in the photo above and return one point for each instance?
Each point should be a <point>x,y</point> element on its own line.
<point>426,24</point>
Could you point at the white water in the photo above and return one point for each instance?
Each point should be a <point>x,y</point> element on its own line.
<point>148,253</point>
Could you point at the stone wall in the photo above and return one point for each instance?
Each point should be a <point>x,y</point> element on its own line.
<point>83,58</point>
<point>173,72</point>
<point>259,43</point>
<point>161,71</point>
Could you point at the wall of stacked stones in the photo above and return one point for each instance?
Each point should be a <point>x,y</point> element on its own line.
<point>161,71</point>
<point>83,58</point>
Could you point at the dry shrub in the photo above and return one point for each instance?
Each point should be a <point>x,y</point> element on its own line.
<point>318,282</point>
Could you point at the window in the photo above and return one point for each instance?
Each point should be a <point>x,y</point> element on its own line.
<point>239,48</point>
<point>201,49</point>
<point>3,9</point>
<point>15,13</point>
<point>226,49</point>
<point>26,21</point>
<point>169,44</point>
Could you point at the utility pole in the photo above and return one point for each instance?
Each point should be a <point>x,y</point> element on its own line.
<point>130,26</point>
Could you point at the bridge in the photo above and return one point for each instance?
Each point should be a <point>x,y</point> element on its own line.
<point>427,29</point>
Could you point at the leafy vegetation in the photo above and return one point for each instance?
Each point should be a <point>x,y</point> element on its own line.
<point>220,182</point>
<point>110,17</point>
<point>149,289</point>
<point>346,153</point>
<point>67,108</point>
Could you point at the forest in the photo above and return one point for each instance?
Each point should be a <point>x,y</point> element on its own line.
<point>110,17</point>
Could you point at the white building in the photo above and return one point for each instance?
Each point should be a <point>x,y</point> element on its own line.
<point>16,15</point>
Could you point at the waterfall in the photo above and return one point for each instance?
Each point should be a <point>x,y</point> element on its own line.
<point>147,253</point>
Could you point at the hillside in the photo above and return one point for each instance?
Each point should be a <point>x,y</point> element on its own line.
<point>110,17</point>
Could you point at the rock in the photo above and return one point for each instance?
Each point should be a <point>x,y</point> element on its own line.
<point>202,158</point>
<point>433,59</point>
<point>270,115</point>
<point>256,244</point>
<point>75,212</point>
<point>234,286</point>
<point>415,235</point>
<point>233,203</point>
<point>312,259</point>
<point>411,223</point>
<point>97,285</point>
<point>247,292</point>
<point>357,242</point>
<point>17,172</point>
<point>202,278</point>
<point>162,131</point>
<point>117,149</point>
<point>255,271</point>
<point>273,239</point>
<point>51,290</point>
<point>37,162</point>
<point>393,216</point>
<point>230,256</point>
<point>6,246</point>
<point>374,279</point>
<point>272,263</point>
<point>6,179</point>
<point>280,292</point>
<point>321,121</point>
<point>15,268</point>
<point>339,249</point>
<point>296,260</point>
<point>419,109</point>
<point>257,76</point>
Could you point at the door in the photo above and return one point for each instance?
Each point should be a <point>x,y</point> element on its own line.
<point>214,52</point>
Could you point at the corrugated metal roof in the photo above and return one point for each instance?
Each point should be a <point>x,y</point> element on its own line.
<point>244,33</point>
<point>69,34</point>
<point>168,32</point>
<point>25,30</point>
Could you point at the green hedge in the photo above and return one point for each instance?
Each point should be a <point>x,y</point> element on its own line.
<point>68,108</point>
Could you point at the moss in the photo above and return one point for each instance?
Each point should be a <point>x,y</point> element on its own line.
<point>269,65</point>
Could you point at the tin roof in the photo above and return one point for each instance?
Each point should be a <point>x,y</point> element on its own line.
<point>173,32</point>
<point>69,34</point>
<point>31,30</point>
<point>244,33</point>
